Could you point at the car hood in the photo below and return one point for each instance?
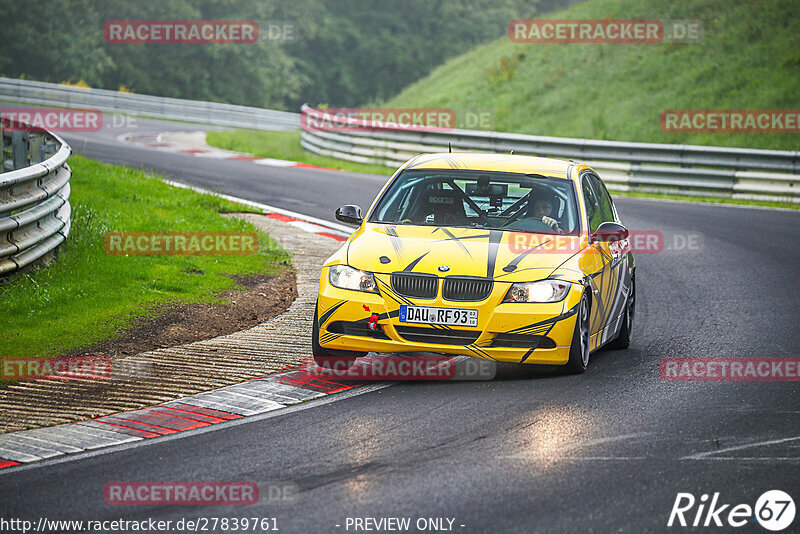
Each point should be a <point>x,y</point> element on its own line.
<point>451,251</point>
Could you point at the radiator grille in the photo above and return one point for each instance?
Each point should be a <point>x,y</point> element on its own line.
<point>415,285</point>
<point>466,289</point>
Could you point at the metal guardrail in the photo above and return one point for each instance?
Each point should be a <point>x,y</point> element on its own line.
<point>34,197</point>
<point>659,168</point>
<point>51,94</point>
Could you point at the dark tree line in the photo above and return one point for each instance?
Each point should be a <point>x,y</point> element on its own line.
<point>348,52</point>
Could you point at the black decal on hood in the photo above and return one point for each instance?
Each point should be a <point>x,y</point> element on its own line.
<point>452,237</point>
<point>495,236</point>
<point>397,243</point>
<point>387,291</point>
<point>513,264</point>
<point>410,266</point>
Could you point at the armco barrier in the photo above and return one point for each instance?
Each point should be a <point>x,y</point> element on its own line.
<point>51,94</point>
<point>660,168</point>
<point>34,197</point>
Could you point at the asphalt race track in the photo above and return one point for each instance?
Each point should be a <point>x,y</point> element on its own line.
<point>309,191</point>
<point>605,451</point>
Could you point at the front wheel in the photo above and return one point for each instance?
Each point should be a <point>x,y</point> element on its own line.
<point>579,348</point>
<point>334,360</point>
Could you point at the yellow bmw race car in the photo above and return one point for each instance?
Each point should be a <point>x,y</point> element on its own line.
<point>503,257</point>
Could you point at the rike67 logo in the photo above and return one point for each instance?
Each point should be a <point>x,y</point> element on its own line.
<point>774,510</point>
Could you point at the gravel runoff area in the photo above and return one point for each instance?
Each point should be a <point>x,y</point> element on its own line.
<point>166,374</point>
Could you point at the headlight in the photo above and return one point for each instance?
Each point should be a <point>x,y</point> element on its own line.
<point>542,291</point>
<point>345,277</point>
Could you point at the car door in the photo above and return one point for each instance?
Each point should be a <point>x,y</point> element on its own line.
<point>613,257</point>
<point>595,255</point>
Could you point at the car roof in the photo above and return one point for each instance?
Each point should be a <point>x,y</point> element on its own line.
<point>491,162</point>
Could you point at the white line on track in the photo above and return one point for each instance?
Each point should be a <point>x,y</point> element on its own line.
<point>750,458</point>
<point>707,454</point>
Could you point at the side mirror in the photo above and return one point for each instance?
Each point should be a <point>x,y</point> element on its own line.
<point>609,232</point>
<point>350,214</point>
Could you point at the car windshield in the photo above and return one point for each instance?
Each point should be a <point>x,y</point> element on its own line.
<point>497,200</point>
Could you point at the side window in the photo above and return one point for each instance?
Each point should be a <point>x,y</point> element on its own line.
<point>593,211</point>
<point>606,206</point>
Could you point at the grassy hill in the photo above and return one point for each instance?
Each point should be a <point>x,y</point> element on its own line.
<point>749,58</point>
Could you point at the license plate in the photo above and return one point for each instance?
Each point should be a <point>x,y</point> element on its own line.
<point>431,315</point>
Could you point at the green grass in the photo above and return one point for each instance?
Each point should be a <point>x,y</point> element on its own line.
<point>749,59</point>
<point>283,145</point>
<point>87,295</point>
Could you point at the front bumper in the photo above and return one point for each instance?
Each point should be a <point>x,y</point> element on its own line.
<point>548,326</point>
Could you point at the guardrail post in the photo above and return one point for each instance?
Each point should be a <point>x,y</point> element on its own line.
<point>36,144</point>
<point>48,149</point>
<point>19,150</point>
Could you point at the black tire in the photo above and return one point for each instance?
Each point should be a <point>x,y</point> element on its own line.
<point>335,360</point>
<point>623,339</point>
<point>579,347</point>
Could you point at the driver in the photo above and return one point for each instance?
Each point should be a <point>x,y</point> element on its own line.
<point>542,208</point>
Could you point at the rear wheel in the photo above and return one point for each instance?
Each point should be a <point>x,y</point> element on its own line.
<point>579,348</point>
<point>335,360</point>
<point>624,337</point>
